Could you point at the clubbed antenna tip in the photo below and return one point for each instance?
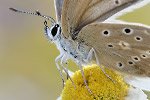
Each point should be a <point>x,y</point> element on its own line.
<point>13,9</point>
<point>36,13</point>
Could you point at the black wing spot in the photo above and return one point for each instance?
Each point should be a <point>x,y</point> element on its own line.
<point>135,58</point>
<point>119,64</point>
<point>106,33</point>
<point>130,63</point>
<point>127,31</point>
<point>117,2</point>
<point>138,38</point>
<point>143,56</point>
<point>110,45</point>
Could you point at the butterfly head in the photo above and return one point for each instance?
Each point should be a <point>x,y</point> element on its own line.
<point>53,32</point>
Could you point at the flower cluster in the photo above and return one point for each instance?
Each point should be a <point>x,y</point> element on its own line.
<point>100,85</point>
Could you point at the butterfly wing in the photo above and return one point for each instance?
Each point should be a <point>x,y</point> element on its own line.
<point>78,13</point>
<point>58,8</point>
<point>121,47</point>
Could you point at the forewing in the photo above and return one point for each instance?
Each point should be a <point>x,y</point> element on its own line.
<point>121,47</point>
<point>58,8</point>
<point>78,13</point>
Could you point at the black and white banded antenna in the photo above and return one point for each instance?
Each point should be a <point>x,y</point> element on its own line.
<point>37,13</point>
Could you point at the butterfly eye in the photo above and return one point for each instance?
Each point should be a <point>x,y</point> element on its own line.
<point>54,30</point>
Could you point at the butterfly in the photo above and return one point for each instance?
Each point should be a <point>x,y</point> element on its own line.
<point>82,32</point>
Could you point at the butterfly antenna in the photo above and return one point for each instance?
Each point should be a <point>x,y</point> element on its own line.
<point>37,13</point>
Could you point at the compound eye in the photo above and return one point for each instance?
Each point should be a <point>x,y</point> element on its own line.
<point>54,30</point>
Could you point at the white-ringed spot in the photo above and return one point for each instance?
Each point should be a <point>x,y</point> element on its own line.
<point>127,31</point>
<point>138,38</point>
<point>117,2</point>
<point>144,56</point>
<point>110,45</point>
<point>130,63</point>
<point>106,32</point>
<point>120,64</point>
<point>135,58</point>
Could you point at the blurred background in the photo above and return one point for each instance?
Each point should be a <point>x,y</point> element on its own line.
<point>27,59</point>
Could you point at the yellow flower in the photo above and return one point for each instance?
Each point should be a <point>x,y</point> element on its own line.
<point>100,85</point>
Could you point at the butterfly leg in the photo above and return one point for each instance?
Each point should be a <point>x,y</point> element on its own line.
<point>67,68</point>
<point>84,78</point>
<point>63,59</point>
<point>56,61</point>
<point>89,55</point>
<point>66,63</point>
